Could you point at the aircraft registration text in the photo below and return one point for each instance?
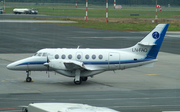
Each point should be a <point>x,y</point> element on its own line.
<point>139,49</point>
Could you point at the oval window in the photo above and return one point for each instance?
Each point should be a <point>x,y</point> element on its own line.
<point>93,56</point>
<point>78,56</point>
<point>63,56</point>
<point>56,56</point>
<point>100,56</point>
<point>70,56</point>
<point>87,56</point>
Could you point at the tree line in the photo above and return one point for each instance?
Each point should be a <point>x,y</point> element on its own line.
<point>99,2</point>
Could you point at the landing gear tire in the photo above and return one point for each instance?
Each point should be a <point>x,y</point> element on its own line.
<point>28,79</point>
<point>78,82</point>
<point>84,78</point>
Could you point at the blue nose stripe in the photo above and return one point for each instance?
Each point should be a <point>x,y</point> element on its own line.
<point>32,63</point>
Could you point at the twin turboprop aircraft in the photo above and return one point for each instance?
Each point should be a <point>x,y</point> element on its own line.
<point>84,63</point>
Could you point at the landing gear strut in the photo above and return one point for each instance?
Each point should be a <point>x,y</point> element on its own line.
<point>28,79</point>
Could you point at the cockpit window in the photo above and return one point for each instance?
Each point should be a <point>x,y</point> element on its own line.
<point>39,54</point>
<point>35,54</point>
<point>44,54</point>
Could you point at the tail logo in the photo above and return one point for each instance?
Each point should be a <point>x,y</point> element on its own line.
<point>155,35</point>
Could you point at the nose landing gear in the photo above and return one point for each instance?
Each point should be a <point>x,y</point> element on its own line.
<point>28,79</point>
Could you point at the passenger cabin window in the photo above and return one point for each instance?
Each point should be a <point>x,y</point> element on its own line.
<point>78,56</point>
<point>100,56</point>
<point>87,56</point>
<point>70,56</point>
<point>93,56</point>
<point>63,56</point>
<point>56,56</point>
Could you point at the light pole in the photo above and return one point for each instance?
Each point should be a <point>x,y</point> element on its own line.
<point>4,5</point>
<point>156,18</point>
<point>106,11</point>
<point>86,9</point>
<point>114,3</point>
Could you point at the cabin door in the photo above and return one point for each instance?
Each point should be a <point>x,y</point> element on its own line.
<point>114,60</point>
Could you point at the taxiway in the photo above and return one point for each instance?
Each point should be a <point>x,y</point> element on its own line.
<point>138,89</point>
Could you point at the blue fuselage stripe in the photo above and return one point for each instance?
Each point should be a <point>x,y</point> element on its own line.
<point>92,62</point>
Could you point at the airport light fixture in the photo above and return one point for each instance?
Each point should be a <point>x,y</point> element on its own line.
<point>106,11</point>
<point>156,18</point>
<point>4,5</point>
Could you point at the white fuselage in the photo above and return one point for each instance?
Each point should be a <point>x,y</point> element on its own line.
<point>98,60</point>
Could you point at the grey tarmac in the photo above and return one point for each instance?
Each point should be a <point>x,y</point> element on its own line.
<point>135,90</point>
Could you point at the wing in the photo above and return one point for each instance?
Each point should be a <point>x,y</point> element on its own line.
<point>68,65</point>
<point>71,65</point>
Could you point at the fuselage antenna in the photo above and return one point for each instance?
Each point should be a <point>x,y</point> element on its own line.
<point>78,46</point>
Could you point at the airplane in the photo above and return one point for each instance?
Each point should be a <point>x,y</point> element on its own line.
<point>83,63</point>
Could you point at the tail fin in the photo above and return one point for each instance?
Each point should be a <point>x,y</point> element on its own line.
<point>153,40</point>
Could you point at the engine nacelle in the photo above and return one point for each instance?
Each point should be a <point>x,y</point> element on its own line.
<point>60,64</point>
<point>57,64</point>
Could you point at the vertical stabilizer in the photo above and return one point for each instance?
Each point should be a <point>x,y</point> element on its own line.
<point>154,40</point>
<point>158,35</point>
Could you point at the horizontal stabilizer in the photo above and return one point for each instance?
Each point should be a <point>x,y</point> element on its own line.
<point>148,65</point>
<point>146,44</point>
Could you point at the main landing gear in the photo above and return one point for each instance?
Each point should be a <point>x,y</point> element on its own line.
<point>80,80</point>
<point>77,80</point>
<point>28,79</point>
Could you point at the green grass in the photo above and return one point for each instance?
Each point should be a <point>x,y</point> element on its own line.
<point>121,26</point>
<point>100,12</point>
<point>108,26</point>
<point>112,13</point>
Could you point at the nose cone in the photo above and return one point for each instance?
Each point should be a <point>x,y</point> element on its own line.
<point>11,66</point>
<point>17,64</point>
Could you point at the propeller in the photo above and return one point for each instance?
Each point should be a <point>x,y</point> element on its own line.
<point>47,64</point>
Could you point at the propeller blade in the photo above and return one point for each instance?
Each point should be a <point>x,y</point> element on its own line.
<point>47,65</point>
<point>48,72</point>
<point>48,60</point>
